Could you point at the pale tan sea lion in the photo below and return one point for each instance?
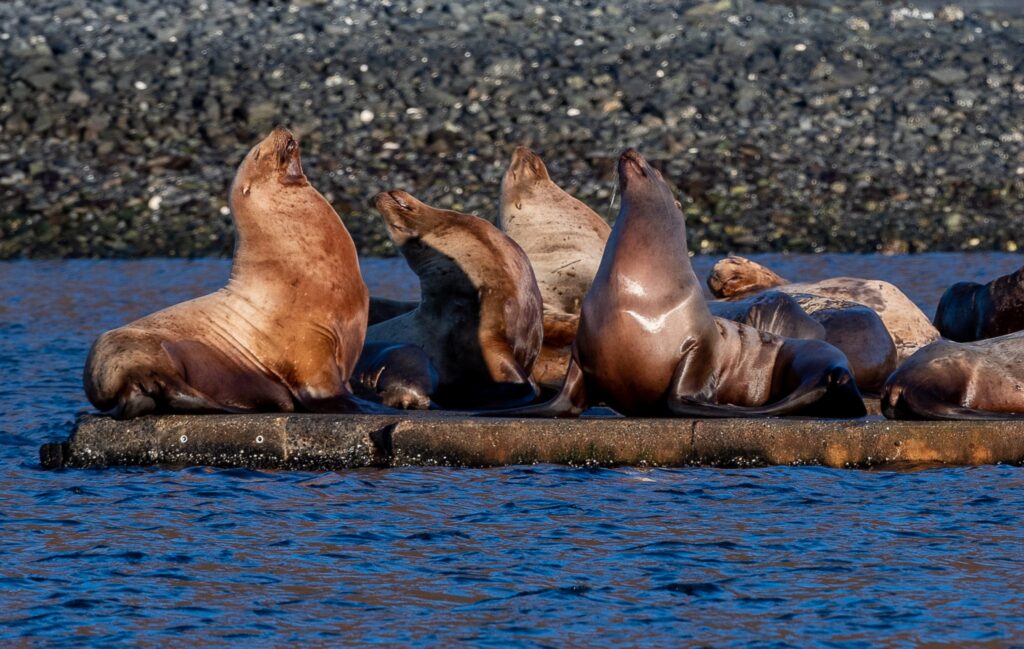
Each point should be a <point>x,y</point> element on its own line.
<point>562,237</point>
<point>648,345</point>
<point>910,329</point>
<point>283,335</point>
<point>479,315</point>
<point>950,380</point>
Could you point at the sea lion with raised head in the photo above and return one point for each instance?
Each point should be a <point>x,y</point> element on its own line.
<point>564,240</point>
<point>969,311</point>
<point>648,345</point>
<point>283,335</point>
<point>562,237</point>
<point>479,314</point>
<point>737,277</point>
<point>950,380</point>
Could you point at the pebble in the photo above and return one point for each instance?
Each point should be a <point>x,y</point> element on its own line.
<point>852,125</point>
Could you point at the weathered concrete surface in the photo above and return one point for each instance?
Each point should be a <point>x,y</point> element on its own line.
<point>331,442</point>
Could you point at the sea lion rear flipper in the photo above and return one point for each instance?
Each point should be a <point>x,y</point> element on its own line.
<point>571,401</point>
<point>213,380</point>
<point>912,404</point>
<point>682,401</point>
<point>802,398</point>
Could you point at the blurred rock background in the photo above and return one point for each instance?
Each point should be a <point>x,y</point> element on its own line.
<point>800,125</point>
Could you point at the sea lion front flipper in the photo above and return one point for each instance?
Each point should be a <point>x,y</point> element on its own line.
<point>510,386</point>
<point>684,403</point>
<point>571,401</point>
<point>397,375</point>
<point>213,380</point>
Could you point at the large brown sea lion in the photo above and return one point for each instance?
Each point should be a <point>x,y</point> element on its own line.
<point>285,332</point>
<point>950,380</point>
<point>910,329</point>
<point>648,345</point>
<point>479,314</point>
<point>970,311</point>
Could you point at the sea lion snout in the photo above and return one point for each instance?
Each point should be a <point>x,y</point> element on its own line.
<point>631,163</point>
<point>527,165</point>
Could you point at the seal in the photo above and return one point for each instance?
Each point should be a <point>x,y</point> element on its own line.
<point>970,311</point>
<point>383,308</point>
<point>648,345</point>
<point>951,380</point>
<point>909,327</point>
<point>285,332</point>
<point>479,318</point>
<point>562,237</point>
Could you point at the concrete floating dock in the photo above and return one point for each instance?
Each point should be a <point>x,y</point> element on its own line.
<point>332,442</point>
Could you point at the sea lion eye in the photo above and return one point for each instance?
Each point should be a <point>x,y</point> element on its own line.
<point>257,155</point>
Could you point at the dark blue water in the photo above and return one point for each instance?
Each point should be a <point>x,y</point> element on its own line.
<point>534,556</point>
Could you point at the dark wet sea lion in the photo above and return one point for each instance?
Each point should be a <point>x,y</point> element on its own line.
<point>774,312</point>
<point>970,311</point>
<point>479,315</point>
<point>853,328</point>
<point>909,327</point>
<point>950,380</point>
<point>648,345</point>
<point>399,376</point>
<point>283,335</point>
<point>859,333</point>
<point>562,237</point>
<point>382,308</point>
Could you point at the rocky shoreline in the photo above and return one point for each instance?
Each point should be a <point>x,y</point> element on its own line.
<point>799,125</point>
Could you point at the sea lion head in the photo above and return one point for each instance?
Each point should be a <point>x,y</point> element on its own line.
<point>275,161</point>
<point>526,167</point>
<point>735,277</point>
<point>408,219</point>
<point>644,189</point>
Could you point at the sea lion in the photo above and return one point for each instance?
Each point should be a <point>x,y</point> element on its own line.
<point>562,237</point>
<point>283,335</point>
<point>382,308</point>
<point>853,328</point>
<point>398,376</point>
<point>910,329</point>
<point>950,380</point>
<point>479,314</point>
<point>648,345</point>
<point>774,312</point>
<point>970,311</point>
